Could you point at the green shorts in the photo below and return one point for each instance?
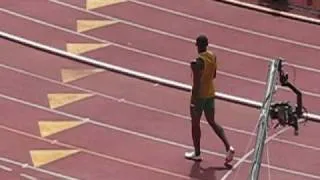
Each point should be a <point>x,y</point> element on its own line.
<point>205,104</point>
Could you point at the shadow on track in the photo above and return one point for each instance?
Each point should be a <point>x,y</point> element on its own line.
<point>208,173</point>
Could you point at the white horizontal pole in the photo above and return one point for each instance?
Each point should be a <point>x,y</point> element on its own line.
<point>147,77</point>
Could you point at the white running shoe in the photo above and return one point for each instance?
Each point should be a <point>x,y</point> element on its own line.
<point>230,154</point>
<point>192,156</point>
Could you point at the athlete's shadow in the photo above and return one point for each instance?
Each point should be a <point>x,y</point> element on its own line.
<point>208,173</point>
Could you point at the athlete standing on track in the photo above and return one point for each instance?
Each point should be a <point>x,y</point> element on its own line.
<point>203,99</point>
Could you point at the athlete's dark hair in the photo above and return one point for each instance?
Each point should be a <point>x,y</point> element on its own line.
<point>202,41</point>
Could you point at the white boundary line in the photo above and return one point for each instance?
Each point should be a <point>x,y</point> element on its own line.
<point>168,59</point>
<point>297,144</point>
<point>237,130</point>
<point>171,60</point>
<point>220,24</point>
<point>26,176</point>
<point>147,107</point>
<point>113,98</point>
<point>82,149</point>
<point>175,36</point>
<point>58,175</point>
<point>144,136</point>
<point>121,70</point>
<point>5,168</point>
<point>246,156</point>
<point>272,11</point>
<point>136,74</point>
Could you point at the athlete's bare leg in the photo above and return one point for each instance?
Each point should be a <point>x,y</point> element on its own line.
<point>210,116</point>
<point>196,131</point>
<point>210,113</point>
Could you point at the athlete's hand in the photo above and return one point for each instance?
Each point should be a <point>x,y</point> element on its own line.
<point>193,102</point>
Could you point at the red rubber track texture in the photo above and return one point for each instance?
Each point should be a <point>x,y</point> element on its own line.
<point>142,118</point>
<point>224,83</point>
<point>185,52</point>
<point>135,105</point>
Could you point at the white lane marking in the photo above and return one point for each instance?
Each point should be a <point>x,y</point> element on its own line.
<point>168,59</point>
<point>55,174</point>
<point>268,59</point>
<point>26,176</point>
<point>54,141</point>
<point>146,53</point>
<point>297,144</point>
<point>220,24</point>
<point>5,168</point>
<point>272,11</point>
<point>289,171</point>
<point>122,100</point>
<point>142,135</point>
<point>245,156</point>
<point>97,154</point>
<point>154,109</point>
<point>264,83</point>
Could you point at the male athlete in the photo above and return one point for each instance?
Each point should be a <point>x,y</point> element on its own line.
<point>203,99</point>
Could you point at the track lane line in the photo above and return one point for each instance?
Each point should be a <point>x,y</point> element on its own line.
<point>239,77</point>
<point>24,165</point>
<point>297,144</point>
<point>147,107</point>
<point>168,59</point>
<point>26,176</point>
<point>272,11</point>
<point>87,151</point>
<point>141,135</point>
<point>224,25</point>
<point>81,149</point>
<point>113,98</point>
<point>3,167</point>
<point>246,156</point>
<point>176,36</point>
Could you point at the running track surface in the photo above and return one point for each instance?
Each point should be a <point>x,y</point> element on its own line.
<point>125,128</point>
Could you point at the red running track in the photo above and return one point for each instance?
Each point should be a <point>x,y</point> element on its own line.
<point>176,59</point>
<point>129,119</point>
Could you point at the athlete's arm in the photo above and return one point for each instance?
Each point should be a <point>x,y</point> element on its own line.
<point>215,68</point>
<point>197,67</point>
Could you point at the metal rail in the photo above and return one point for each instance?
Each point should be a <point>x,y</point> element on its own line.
<point>131,73</point>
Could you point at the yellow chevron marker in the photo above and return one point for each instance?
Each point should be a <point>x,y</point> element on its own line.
<point>61,99</point>
<point>94,4</point>
<point>86,25</point>
<point>69,75</point>
<point>48,128</point>
<point>80,48</point>
<point>42,157</point>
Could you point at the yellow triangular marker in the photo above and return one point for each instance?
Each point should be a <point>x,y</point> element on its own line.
<point>69,75</point>
<point>80,48</point>
<point>48,128</point>
<point>58,100</point>
<point>93,4</point>
<point>42,157</point>
<point>86,25</point>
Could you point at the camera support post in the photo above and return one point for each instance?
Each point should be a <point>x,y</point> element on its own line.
<point>285,113</point>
